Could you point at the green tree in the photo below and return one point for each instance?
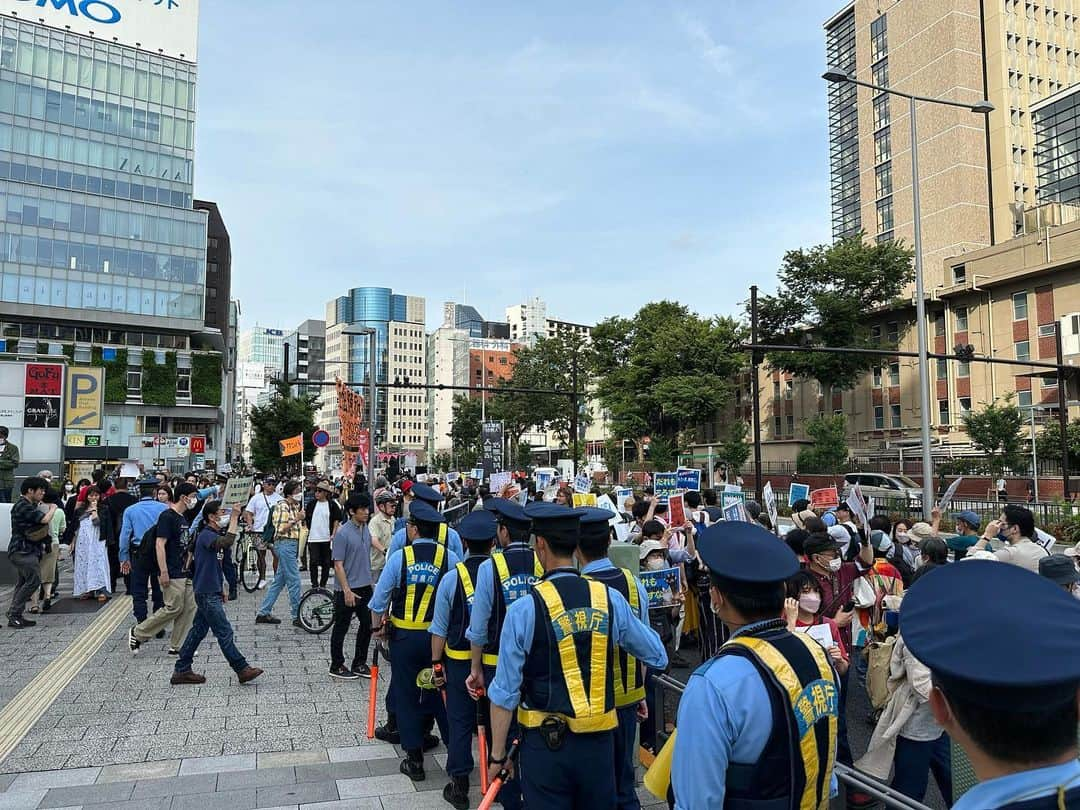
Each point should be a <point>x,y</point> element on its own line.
<point>283,416</point>
<point>995,431</point>
<point>824,297</point>
<point>524,458</point>
<point>829,453</point>
<point>441,462</point>
<point>664,371</point>
<point>465,431</point>
<point>663,454</point>
<point>613,460</point>
<point>1048,441</point>
<point>735,450</point>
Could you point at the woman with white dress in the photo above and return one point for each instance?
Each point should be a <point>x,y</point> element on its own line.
<point>92,577</point>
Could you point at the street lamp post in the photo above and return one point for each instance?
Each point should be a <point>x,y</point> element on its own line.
<point>983,107</point>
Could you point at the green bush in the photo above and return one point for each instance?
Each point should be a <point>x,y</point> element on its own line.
<point>158,381</point>
<point>206,379</point>
<point>115,372</point>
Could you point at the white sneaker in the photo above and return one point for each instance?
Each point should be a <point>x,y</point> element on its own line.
<point>261,585</point>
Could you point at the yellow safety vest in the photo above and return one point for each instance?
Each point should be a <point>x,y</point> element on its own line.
<point>469,591</point>
<point>629,681</point>
<point>409,613</point>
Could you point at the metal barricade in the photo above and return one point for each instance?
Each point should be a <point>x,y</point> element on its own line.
<point>852,778</point>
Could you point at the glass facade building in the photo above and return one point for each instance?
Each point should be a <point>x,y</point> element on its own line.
<point>1057,147</point>
<point>843,126</point>
<point>96,181</point>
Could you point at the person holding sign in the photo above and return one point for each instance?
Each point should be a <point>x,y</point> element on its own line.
<point>802,610</point>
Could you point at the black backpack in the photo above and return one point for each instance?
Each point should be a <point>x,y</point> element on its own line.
<point>147,548</point>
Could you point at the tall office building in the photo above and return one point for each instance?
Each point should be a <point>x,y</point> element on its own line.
<point>398,324</point>
<point>101,254</point>
<point>263,347</point>
<point>307,351</point>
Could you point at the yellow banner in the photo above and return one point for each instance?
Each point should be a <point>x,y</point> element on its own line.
<point>584,499</point>
<point>293,446</point>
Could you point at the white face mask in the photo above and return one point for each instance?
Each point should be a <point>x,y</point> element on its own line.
<point>654,564</point>
<point>69,487</point>
<point>835,563</point>
<point>902,537</point>
<point>192,503</point>
<point>298,497</point>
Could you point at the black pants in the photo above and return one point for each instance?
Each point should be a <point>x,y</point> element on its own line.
<point>342,619</point>
<point>320,564</point>
<point>26,565</point>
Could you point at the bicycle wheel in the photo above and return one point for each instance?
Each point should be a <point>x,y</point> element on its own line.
<point>317,610</point>
<point>249,567</point>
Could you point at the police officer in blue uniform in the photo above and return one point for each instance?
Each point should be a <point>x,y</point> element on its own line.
<point>556,661</point>
<point>1005,690</point>
<point>629,674</point>
<point>452,605</point>
<point>448,536</point>
<point>757,723</point>
<point>405,599</point>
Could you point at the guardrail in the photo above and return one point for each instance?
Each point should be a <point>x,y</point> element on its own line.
<point>890,798</point>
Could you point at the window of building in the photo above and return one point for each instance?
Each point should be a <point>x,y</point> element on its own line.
<point>778,426</point>
<point>211,267</point>
<point>885,215</point>
<point>894,332</point>
<point>1023,399</point>
<point>183,382</point>
<point>939,324</point>
<point>943,411</point>
<point>134,382</point>
<point>894,374</point>
<point>882,146</point>
<point>883,179</point>
<point>881,73</point>
<point>879,44</point>
<point>963,369</point>
<point>881,111</point>
<point>1020,307</point>
<point>1022,349</point>
<point>1048,330</point>
<point>790,424</point>
<point>776,389</point>
<point>879,417</point>
<point>789,388</point>
<point>894,415</point>
<point>1049,382</point>
<point>875,332</point>
<point>965,405</point>
<point>942,369</point>
<point>961,319</point>
<point>877,377</point>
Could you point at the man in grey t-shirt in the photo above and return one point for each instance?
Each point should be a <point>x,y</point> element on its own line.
<point>351,553</point>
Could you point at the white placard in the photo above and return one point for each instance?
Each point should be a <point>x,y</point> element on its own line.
<point>769,497</point>
<point>237,489</point>
<point>498,481</point>
<point>947,498</point>
<point>819,633</point>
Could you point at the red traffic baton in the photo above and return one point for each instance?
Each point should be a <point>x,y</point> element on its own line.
<point>438,672</point>
<point>373,693</point>
<point>481,730</point>
<point>500,778</point>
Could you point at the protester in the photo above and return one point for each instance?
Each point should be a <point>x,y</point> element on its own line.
<point>93,578</point>
<point>564,496</point>
<point>1017,526</point>
<point>138,567</point>
<point>9,461</point>
<point>29,531</point>
<point>322,516</point>
<point>933,553</point>
<point>48,568</point>
<point>802,608</point>
<point>287,517</point>
<point>1060,569</point>
<point>256,513</point>
<point>967,533</point>
<point>353,587</point>
<point>381,526</point>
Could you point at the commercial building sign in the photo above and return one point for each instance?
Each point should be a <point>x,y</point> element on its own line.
<point>170,27</point>
<point>86,397</point>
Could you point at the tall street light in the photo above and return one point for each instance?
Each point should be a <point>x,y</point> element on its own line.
<point>372,358</point>
<point>983,107</point>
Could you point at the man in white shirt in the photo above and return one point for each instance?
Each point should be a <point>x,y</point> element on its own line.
<point>322,517</point>
<point>255,515</point>
<point>1017,525</point>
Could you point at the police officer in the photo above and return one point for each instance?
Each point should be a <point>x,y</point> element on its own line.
<point>448,536</point>
<point>628,673</point>
<point>555,668</point>
<point>509,575</point>
<point>452,605</point>
<point>1005,690</point>
<point>765,708</point>
<point>406,594</point>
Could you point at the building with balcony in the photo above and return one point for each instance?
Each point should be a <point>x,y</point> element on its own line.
<point>307,351</point>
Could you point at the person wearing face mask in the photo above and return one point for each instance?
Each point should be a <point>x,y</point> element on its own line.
<point>9,460</point>
<point>766,708</point>
<point>174,565</point>
<point>288,517</point>
<point>802,608</point>
<point>1017,526</point>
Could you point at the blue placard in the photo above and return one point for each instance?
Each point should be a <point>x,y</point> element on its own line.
<point>665,484</point>
<point>661,586</point>
<point>689,480</point>
<point>798,492</point>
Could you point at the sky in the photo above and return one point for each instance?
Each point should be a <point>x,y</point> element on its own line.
<point>599,155</point>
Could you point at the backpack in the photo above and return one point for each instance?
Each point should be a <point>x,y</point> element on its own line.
<point>268,529</point>
<point>146,551</point>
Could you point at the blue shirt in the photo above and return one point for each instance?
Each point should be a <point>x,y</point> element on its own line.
<point>484,600</point>
<point>453,542</point>
<point>725,710</point>
<point>138,518</point>
<point>638,639</point>
<point>207,577</point>
<point>605,564</point>
<point>444,602</point>
<point>1019,787</point>
<point>391,577</point>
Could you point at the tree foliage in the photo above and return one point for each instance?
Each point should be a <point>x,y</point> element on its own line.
<point>1048,441</point>
<point>824,297</point>
<point>283,416</point>
<point>441,462</point>
<point>735,450</point>
<point>663,371</point>
<point>995,431</point>
<point>465,431</point>
<point>829,453</point>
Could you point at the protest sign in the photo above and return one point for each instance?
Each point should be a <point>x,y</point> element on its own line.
<point>477,473</point>
<point>688,480</point>
<point>732,488</point>
<point>798,492</point>
<point>608,505</point>
<point>544,480</point>
<point>237,490</point>
<point>661,586</point>
<point>582,483</point>
<point>584,499</point>
<point>857,504</point>
<point>498,481</point>
<point>620,494</point>
<point>676,511</point>
<point>947,498</point>
<point>622,532</point>
<point>551,492</point>
<point>728,498</point>
<point>453,476</point>
<point>523,497</point>
<point>870,506</point>
<point>1045,539</point>
<point>821,633</point>
<point>827,498</point>
<point>665,484</point>
<point>769,497</point>
<point>736,512</point>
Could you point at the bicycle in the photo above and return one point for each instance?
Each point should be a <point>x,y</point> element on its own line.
<point>316,611</point>
<point>247,567</point>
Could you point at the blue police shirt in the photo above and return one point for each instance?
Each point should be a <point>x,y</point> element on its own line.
<point>138,519</point>
<point>444,601</point>
<point>453,542</point>
<point>1020,787</point>
<point>604,564</point>
<point>638,639</point>
<point>391,577</point>
<point>484,600</point>
<point>725,710</point>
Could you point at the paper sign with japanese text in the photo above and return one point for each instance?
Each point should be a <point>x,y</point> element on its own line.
<point>732,488</point>
<point>498,481</point>
<point>477,473</point>
<point>676,511</point>
<point>661,586</point>
<point>798,492</point>
<point>769,497</point>
<point>827,498</point>
<point>688,480</point>
<point>736,512</point>
<point>237,490</point>
<point>582,483</point>
<point>543,480</point>
<point>665,484</point>
<point>729,498</point>
<point>584,499</point>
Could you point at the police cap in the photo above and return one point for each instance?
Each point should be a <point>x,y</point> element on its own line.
<point>427,494</point>
<point>425,512</point>
<point>746,554</point>
<point>595,522</point>
<point>478,525</point>
<point>554,518</point>
<point>508,512</point>
<point>1041,666</point>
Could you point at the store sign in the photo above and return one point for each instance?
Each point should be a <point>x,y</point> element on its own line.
<point>169,26</point>
<point>41,412</point>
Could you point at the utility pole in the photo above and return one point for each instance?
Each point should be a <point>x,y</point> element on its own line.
<point>755,391</point>
<point>574,405</point>
<point>1063,414</point>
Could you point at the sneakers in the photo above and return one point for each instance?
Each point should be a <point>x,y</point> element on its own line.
<point>19,623</point>
<point>342,674</point>
<point>176,651</point>
<point>248,674</point>
<point>133,642</point>
<point>362,670</point>
<point>261,585</point>
<point>456,792</point>
<point>189,677</point>
<point>233,596</point>
<point>266,618</point>
<point>413,766</point>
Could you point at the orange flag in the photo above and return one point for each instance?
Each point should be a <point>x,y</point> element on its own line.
<point>292,446</point>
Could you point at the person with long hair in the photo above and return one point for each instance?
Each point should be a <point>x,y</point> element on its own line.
<point>93,528</point>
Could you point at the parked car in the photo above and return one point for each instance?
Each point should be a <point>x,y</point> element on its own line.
<point>883,485</point>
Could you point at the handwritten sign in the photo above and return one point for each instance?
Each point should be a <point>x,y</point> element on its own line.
<point>676,511</point>
<point>827,498</point>
<point>688,480</point>
<point>237,489</point>
<point>665,484</point>
<point>769,497</point>
<point>498,481</point>
<point>582,483</point>
<point>661,586</point>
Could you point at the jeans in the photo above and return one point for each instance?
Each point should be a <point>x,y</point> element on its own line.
<point>26,565</point>
<point>288,575</point>
<point>342,620</point>
<point>913,763</point>
<point>143,580</point>
<point>210,616</point>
